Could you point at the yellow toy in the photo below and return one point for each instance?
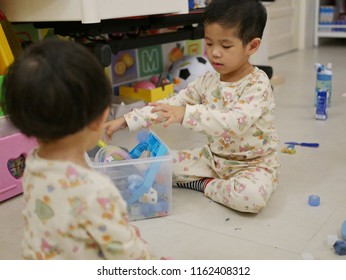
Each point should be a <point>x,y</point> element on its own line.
<point>289,150</point>
<point>6,56</point>
<point>101,143</point>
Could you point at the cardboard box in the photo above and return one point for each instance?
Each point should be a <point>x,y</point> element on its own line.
<point>121,106</point>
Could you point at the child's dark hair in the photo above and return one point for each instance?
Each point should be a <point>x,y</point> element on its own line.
<point>249,17</point>
<point>55,88</point>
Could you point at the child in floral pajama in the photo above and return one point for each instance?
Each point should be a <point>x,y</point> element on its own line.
<point>57,92</point>
<point>234,107</point>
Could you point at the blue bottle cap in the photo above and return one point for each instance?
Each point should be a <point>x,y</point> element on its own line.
<point>343,230</point>
<point>314,200</point>
<point>340,247</point>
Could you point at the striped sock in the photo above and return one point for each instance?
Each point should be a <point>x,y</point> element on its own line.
<point>198,185</point>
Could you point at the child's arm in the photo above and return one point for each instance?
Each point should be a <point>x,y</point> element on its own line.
<point>113,126</point>
<point>254,102</point>
<point>171,110</point>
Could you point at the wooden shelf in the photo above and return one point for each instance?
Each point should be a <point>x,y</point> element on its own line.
<point>325,30</point>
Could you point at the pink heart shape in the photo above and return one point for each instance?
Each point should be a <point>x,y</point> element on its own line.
<point>16,166</point>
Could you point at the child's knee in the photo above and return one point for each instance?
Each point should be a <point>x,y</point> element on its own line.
<point>256,201</point>
<point>250,202</point>
<point>250,199</point>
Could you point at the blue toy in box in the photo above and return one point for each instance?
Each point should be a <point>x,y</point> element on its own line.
<point>147,142</point>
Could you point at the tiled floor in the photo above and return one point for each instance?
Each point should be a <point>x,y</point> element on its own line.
<point>288,228</point>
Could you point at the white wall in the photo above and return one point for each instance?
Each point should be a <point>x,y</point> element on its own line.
<point>306,25</point>
<point>305,16</point>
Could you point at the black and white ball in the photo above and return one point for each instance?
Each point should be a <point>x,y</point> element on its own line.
<point>187,69</point>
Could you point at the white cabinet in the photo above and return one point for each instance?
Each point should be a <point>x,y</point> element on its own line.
<point>330,19</point>
<point>86,11</point>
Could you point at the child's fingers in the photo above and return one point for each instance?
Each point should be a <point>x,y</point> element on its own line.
<point>160,118</point>
<point>108,137</point>
<point>159,107</point>
<point>167,123</point>
<point>109,131</point>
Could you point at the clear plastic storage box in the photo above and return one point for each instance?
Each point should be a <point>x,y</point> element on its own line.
<point>143,175</point>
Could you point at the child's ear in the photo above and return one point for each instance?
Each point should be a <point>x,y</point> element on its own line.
<point>100,120</point>
<point>254,45</point>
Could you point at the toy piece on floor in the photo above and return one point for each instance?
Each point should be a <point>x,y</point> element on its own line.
<point>307,255</point>
<point>340,247</point>
<point>343,230</point>
<point>289,150</point>
<point>314,200</point>
<point>312,145</point>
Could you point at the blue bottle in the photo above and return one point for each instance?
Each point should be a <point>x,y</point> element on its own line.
<point>324,81</point>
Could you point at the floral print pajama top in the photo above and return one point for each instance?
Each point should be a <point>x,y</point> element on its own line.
<point>72,212</point>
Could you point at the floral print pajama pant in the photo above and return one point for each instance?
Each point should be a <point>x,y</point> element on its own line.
<point>238,185</point>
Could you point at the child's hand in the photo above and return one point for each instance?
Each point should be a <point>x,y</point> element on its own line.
<point>113,126</point>
<point>167,113</point>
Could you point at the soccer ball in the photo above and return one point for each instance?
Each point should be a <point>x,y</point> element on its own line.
<point>187,69</point>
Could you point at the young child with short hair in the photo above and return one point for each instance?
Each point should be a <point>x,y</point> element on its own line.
<point>234,107</point>
<point>58,92</point>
